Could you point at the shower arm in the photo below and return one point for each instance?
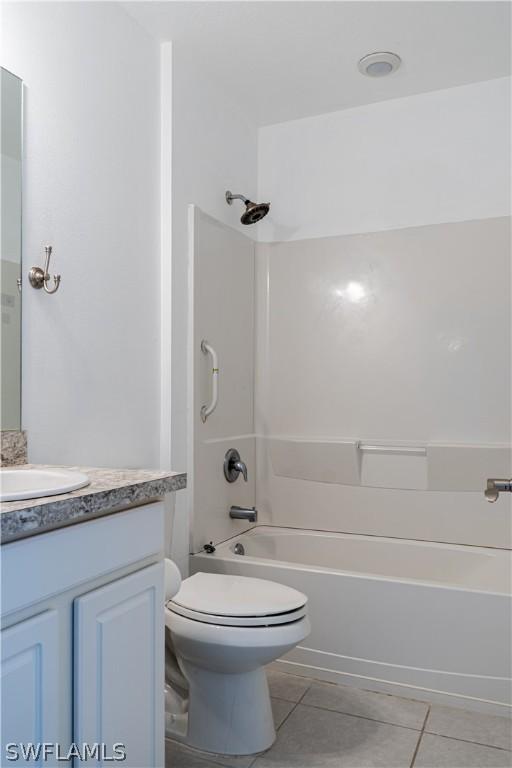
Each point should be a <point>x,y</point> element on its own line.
<point>230,197</point>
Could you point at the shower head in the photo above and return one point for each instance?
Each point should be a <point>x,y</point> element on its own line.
<point>253,211</point>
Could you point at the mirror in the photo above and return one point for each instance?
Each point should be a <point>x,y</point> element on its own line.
<point>11,88</point>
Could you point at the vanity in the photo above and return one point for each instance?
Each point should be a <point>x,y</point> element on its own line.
<point>82,637</point>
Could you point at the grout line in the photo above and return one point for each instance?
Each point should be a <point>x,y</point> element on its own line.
<point>288,701</point>
<point>287,716</point>
<point>295,705</point>
<point>420,738</point>
<point>291,701</point>
<point>302,697</point>
<point>466,741</point>
<point>304,694</point>
<point>362,717</point>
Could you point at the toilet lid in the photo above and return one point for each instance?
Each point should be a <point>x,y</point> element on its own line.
<point>218,594</point>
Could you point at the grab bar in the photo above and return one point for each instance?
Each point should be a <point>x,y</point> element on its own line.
<point>409,450</point>
<point>207,410</point>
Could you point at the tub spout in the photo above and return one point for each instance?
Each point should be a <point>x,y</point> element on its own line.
<point>244,513</point>
<point>495,486</point>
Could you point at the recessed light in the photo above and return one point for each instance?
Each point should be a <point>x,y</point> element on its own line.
<point>379,64</point>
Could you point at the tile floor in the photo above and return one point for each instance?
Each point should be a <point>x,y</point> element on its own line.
<point>320,725</point>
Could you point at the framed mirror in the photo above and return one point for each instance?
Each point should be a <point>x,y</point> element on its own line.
<point>11,89</point>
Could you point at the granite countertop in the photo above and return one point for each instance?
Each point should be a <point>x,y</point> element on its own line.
<point>110,490</point>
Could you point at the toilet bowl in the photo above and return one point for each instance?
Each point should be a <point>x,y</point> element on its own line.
<point>221,632</point>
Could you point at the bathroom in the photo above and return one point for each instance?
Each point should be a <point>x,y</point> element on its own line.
<point>278,349</point>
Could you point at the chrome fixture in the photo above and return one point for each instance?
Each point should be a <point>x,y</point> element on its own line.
<point>379,64</point>
<point>233,466</point>
<point>207,410</point>
<point>238,549</point>
<point>39,278</point>
<point>244,513</point>
<point>253,211</point>
<point>496,486</point>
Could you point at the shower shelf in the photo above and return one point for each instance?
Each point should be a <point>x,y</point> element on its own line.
<point>406,450</point>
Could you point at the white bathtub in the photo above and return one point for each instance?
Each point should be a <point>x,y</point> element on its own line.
<point>420,619</point>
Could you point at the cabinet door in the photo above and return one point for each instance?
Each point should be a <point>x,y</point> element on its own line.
<point>119,668</point>
<point>30,685</point>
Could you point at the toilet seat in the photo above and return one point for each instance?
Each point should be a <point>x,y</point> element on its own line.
<point>237,601</point>
<point>237,621</point>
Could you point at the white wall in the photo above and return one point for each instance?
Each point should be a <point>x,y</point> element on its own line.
<point>91,352</point>
<point>214,149</point>
<point>398,333</point>
<point>426,159</point>
<point>91,189</point>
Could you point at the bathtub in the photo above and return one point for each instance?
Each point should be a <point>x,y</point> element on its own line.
<point>425,620</point>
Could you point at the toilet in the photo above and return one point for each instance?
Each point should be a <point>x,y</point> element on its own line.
<point>221,631</point>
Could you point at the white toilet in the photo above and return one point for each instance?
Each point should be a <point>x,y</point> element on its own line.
<point>223,630</point>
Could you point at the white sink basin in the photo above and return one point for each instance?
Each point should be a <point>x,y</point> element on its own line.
<point>17,484</point>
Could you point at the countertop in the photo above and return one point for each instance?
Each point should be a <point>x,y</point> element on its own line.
<point>110,490</point>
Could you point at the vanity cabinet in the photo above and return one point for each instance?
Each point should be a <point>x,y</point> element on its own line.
<point>30,660</point>
<point>119,665</point>
<point>83,638</point>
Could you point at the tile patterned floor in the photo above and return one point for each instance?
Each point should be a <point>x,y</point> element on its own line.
<point>320,725</point>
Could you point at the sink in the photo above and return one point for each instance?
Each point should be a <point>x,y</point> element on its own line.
<point>17,484</point>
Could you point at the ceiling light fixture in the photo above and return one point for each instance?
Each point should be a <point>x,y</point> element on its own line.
<point>379,64</point>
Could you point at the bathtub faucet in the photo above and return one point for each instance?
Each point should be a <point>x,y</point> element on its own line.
<point>233,466</point>
<point>244,513</point>
<point>496,486</point>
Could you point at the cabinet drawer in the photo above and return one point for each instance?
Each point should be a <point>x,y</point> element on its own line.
<point>51,563</point>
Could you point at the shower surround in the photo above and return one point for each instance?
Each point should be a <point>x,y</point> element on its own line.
<point>369,391</point>
<point>390,340</point>
<point>379,413</point>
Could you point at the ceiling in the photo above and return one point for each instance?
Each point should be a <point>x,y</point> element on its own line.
<point>286,60</point>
